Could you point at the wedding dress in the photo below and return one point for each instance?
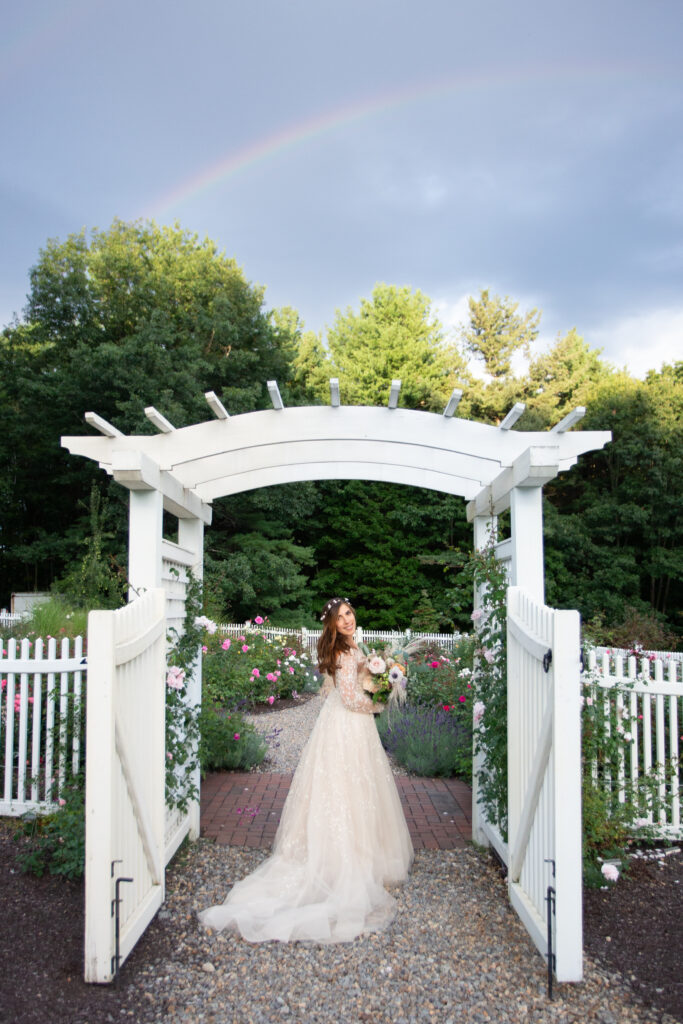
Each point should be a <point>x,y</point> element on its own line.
<point>342,836</point>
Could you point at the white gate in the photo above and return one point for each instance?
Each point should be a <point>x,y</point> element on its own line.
<point>125,808</point>
<point>544,777</point>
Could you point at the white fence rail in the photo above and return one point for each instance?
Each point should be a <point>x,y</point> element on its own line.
<point>372,637</point>
<point>645,702</point>
<point>40,722</point>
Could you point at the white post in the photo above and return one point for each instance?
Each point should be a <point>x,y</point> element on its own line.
<point>145,534</point>
<point>98,788</point>
<point>526,530</point>
<point>484,531</point>
<point>567,795</point>
<point>191,536</point>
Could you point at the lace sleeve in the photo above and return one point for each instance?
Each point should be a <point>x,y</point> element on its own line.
<point>349,687</point>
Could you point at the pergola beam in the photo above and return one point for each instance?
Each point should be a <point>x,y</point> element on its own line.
<point>533,468</point>
<point>159,421</point>
<point>569,420</point>
<point>104,426</point>
<point>275,397</point>
<point>512,417</point>
<point>137,472</point>
<point>216,406</point>
<point>335,400</point>
<point>453,403</point>
<point>394,394</point>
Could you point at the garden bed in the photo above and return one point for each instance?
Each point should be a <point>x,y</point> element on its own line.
<point>632,929</point>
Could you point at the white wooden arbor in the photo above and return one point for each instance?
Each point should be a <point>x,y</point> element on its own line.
<point>184,469</point>
<point>494,468</point>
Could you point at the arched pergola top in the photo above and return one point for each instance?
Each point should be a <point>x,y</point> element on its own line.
<point>193,465</point>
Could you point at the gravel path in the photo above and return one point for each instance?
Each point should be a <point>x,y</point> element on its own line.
<point>287,731</point>
<point>455,954</point>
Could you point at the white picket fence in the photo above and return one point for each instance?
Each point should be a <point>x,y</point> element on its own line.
<point>40,722</point>
<point>647,697</point>
<point>372,637</point>
<point>42,731</point>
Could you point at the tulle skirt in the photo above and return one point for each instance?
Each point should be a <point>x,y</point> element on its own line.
<point>341,839</point>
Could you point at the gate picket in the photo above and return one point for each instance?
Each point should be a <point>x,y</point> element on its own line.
<point>544,776</point>
<point>125,809</point>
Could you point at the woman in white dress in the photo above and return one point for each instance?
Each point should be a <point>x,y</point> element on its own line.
<point>342,836</point>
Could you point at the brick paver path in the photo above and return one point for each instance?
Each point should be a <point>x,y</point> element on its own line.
<point>244,809</point>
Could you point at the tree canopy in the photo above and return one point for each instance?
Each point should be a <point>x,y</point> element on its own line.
<point>140,315</point>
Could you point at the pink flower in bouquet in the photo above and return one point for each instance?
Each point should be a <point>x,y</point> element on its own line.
<point>377,665</point>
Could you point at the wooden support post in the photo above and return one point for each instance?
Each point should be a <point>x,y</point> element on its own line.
<point>484,531</point>
<point>526,529</point>
<point>191,537</point>
<point>145,530</point>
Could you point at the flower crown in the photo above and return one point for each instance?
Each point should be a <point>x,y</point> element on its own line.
<point>332,603</point>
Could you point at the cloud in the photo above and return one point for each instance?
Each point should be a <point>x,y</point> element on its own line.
<point>642,341</point>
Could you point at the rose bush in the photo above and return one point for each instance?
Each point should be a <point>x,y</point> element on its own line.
<point>253,667</point>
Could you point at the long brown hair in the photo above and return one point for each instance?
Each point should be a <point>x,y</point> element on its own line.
<point>331,644</point>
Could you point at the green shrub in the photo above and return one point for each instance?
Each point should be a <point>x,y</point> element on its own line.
<point>228,741</point>
<point>427,741</point>
<point>253,667</point>
<point>54,618</point>
<point>57,841</point>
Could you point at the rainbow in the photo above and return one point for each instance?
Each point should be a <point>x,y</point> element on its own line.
<point>300,132</point>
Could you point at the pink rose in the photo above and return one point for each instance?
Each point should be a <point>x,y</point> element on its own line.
<point>236,736</point>
<point>258,620</point>
<point>226,645</point>
<point>255,672</point>
<point>271,700</point>
<point>271,677</point>
<point>434,664</point>
<point>245,648</point>
<point>462,699</point>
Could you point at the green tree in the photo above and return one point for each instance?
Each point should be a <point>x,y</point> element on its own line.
<point>561,379</point>
<point>613,526</point>
<point>497,331</point>
<point>132,316</point>
<point>394,336</point>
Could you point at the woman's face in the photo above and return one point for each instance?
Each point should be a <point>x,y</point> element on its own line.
<point>346,621</point>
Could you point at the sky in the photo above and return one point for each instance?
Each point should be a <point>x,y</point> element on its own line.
<point>534,149</point>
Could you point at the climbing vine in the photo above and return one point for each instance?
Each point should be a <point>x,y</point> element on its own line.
<point>182,718</point>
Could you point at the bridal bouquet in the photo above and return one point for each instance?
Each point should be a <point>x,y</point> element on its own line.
<point>389,680</point>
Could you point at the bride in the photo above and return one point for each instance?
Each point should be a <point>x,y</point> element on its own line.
<point>342,836</point>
